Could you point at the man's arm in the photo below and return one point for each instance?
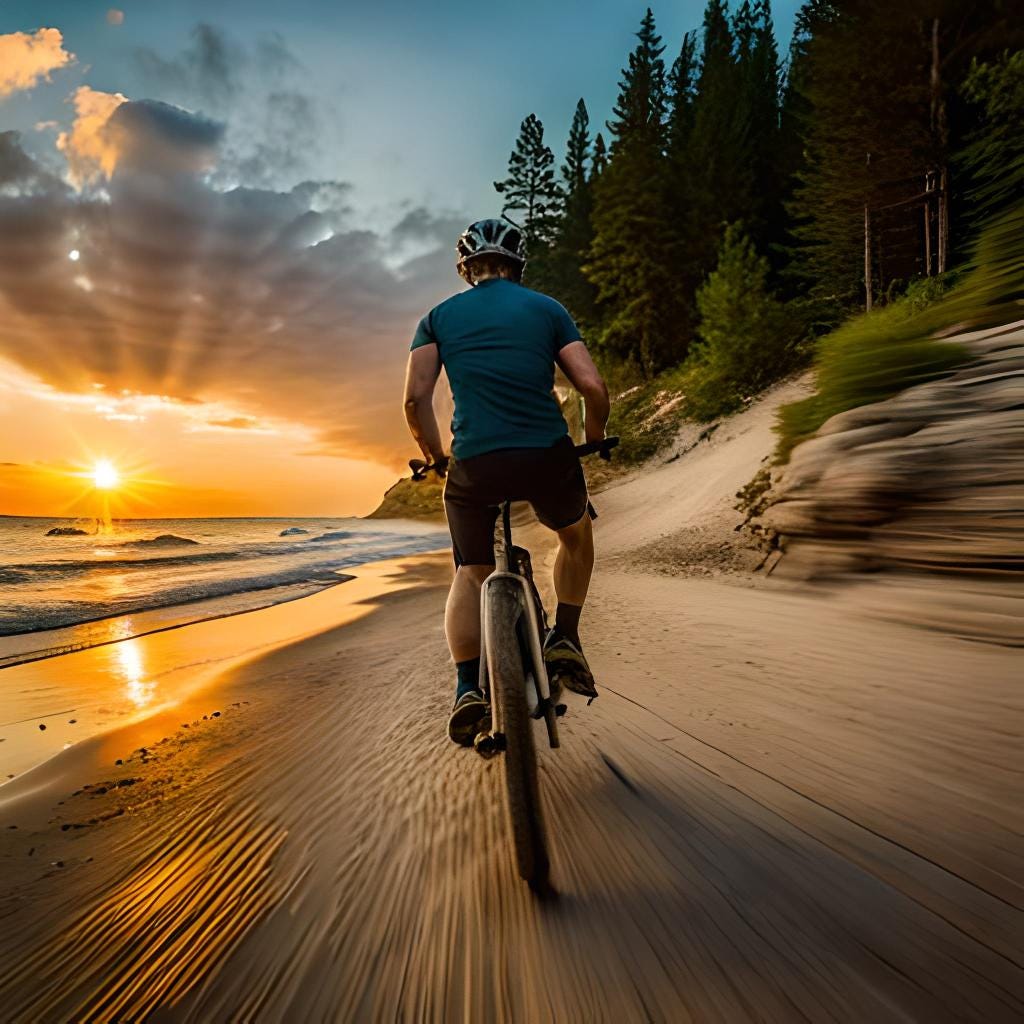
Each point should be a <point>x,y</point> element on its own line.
<point>576,364</point>
<point>421,375</point>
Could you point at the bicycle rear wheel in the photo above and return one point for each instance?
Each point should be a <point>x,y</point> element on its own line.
<point>508,692</point>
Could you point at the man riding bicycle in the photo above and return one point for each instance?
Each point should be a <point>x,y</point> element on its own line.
<point>499,343</point>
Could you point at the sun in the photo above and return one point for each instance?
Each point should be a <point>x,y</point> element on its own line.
<point>105,475</point>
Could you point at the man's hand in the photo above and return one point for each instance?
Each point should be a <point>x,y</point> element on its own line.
<point>422,371</point>
<point>576,364</point>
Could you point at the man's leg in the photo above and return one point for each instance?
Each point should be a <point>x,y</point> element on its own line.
<point>462,628</point>
<point>574,564</point>
<point>462,612</point>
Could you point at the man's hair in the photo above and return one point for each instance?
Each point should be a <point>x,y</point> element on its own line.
<point>493,265</point>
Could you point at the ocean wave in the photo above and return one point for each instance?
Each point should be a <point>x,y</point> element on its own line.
<point>164,589</point>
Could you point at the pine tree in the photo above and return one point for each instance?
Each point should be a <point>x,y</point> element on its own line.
<point>531,189</point>
<point>745,340</point>
<point>564,277</point>
<point>629,257</point>
<point>721,176</point>
<point>683,258</point>
<point>574,170</point>
<point>681,83</point>
<point>639,112</point>
<point>600,158</point>
<point>765,216</point>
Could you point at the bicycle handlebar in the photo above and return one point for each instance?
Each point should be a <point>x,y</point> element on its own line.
<point>603,448</point>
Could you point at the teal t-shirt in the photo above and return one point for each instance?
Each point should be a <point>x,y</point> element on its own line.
<point>498,343</point>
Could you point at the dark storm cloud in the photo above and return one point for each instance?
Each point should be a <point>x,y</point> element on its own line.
<point>275,123</point>
<point>257,299</point>
<point>208,69</point>
<point>165,138</point>
<point>19,173</point>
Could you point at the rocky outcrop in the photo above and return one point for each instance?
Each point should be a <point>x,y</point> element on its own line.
<point>412,499</point>
<point>929,481</point>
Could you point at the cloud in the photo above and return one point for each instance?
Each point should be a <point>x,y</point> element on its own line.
<point>115,17</point>
<point>275,124</point>
<point>252,305</point>
<point>235,423</point>
<point>26,59</point>
<point>88,146</point>
<point>206,73</point>
<point>20,174</point>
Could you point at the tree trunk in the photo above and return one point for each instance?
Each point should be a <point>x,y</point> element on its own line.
<point>943,218</point>
<point>940,131</point>
<point>867,250</point>
<point>867,258</point>
<point>927,227</point>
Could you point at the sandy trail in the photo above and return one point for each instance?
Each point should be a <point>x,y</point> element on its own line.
<point>780,809</point>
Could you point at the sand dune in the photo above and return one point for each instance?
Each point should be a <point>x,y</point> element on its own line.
<point>782,808</point>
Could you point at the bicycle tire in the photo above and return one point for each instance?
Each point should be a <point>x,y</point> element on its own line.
<point>508,691</point>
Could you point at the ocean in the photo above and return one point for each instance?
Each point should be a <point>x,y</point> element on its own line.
<point>154,573</point>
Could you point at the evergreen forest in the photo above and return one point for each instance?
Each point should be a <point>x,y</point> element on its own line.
<point>741,205</point>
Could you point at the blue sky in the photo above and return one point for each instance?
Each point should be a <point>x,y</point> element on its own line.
<point>417,102</point>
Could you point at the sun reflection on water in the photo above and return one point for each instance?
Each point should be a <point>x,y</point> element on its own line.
<point>139,689</point>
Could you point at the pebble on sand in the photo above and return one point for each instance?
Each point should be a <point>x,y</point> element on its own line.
<point>42,727</point>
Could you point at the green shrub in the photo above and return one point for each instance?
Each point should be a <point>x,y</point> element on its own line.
<point>747,339</point>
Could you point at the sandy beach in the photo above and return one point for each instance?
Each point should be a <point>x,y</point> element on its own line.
<point>784,806</point>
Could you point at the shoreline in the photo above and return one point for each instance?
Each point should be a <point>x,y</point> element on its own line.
<point>13,660</point>
<point>163,673</point>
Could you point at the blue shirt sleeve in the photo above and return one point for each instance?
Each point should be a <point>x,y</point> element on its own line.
<point>424,332</point>
<point>565,329</point>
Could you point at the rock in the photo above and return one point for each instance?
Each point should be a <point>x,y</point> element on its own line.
<point>928,481</point>
<point>67,531</point>
<point>166,540</point>
<point>42,727</point>
<point>292,531</point>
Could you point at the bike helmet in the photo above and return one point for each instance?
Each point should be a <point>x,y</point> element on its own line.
<point>499,237</point>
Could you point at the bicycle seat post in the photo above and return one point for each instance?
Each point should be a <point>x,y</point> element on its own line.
<point>503,538</point>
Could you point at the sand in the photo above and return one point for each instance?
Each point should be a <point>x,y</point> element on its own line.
<point>784,806</point>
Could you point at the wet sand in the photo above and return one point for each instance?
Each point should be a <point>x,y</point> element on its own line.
<point>783,807</point>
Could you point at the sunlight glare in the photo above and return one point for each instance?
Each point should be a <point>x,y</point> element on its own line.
<point>139,690</point>
<point>105,475</point>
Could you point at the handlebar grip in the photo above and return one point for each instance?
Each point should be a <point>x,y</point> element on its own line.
<point>603,448</point>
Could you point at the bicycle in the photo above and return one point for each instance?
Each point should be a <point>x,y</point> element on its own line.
<point>514,679</point>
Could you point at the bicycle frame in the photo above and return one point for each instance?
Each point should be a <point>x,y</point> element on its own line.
<point>504,571</point>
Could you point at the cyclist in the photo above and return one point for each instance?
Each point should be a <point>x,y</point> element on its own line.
<point>499,342</point>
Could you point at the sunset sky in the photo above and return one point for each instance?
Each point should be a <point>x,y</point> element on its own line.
<point>220,222</point>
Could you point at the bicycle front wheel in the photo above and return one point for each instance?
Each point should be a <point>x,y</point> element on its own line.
<point>508,692</point>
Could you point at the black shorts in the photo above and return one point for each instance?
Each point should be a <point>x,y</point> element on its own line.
<point>550,479</point>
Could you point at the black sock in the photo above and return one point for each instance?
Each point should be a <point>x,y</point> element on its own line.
<point>567,621</point>
<point>468,676</point>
